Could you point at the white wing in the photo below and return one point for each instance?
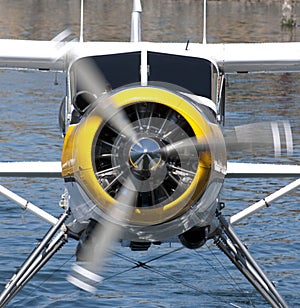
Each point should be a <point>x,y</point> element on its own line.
<point>44,55</point>
<point>260,57</point>
<point>234,170</point>
<point>248,170</point>
<point>230,58</point>
<point>30,169</point>
<point>240,57</point>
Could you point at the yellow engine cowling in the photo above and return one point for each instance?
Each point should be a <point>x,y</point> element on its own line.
<point>175,190</point>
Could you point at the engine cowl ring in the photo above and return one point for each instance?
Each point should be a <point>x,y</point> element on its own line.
<point>168,184</point>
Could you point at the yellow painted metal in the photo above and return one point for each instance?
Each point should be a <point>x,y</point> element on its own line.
<point>67,159</point>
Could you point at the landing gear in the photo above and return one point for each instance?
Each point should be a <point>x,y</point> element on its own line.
<point>229,243</point>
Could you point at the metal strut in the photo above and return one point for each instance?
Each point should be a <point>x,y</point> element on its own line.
<point>49,245</point>
<point>235,250</point>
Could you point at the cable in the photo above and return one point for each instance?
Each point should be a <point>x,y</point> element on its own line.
<point>144,265</point>
<point>234,284</point>
<point>48,278</point>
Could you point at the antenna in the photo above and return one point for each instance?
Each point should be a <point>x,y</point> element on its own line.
<point>136,21</point>
<point>204,22</point>
<point>81,22</point>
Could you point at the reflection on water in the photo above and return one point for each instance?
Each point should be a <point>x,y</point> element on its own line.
<point>28,130</point>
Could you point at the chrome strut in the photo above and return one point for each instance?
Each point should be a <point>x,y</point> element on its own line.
<point>54,239</point>
<point>229,243</point>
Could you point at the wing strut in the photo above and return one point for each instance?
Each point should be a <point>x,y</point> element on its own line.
<point>266,202</point>
<point>26,205</point>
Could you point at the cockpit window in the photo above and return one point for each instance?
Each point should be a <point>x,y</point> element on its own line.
<point>117,69</point>
<point>196,75</point>
<point>193,74</point>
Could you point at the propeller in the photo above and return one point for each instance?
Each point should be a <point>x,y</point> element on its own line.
<point>273,137</point>
<point>260,137</point>
<point>84,274</point>
<point>109,230</point>
<point>200,144</point>
<point>253,138</point>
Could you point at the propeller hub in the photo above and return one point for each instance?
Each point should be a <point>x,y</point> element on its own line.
<point>144,155</point>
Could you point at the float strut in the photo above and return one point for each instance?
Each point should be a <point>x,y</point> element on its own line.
<point>229,243</point>
<point>49,245</point>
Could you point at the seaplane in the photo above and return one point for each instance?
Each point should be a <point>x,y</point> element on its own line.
<point>144,158</point>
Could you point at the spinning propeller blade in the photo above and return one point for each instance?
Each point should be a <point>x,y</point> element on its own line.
<point>109,230</point>
<point>262,136</point>
<point>253,138</point>
<point>188,143</point>
<point>103,236</point>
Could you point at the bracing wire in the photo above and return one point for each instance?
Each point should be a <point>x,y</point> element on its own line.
<point>232,281</point>
<point>144,265</point>
<point>50,276</point>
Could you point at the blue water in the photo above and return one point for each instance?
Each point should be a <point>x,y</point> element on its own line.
<point>204,278</point>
